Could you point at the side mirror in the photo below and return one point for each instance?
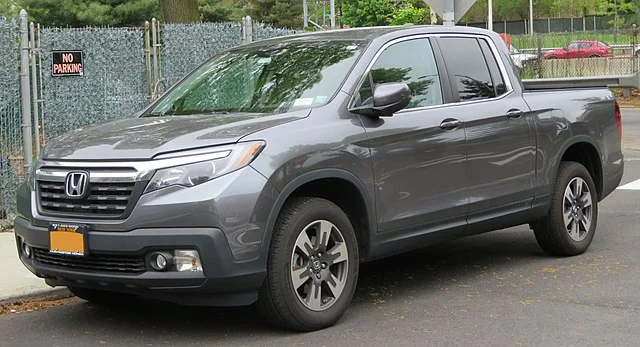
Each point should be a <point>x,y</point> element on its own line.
<point>388,98</point>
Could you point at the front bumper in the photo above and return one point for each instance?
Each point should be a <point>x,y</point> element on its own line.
<point>224,281</point>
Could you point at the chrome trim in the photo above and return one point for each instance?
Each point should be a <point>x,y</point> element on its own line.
<point>57,175</point>
<point>492,46</point>
<point>131,171</point>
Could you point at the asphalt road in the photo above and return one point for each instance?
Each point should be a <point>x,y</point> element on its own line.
<point>496,289</point>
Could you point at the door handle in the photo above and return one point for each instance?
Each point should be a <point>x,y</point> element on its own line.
<point>515,113</point>
<point>449,124</point>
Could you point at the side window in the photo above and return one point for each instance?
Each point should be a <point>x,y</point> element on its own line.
<point>574,45</point>
<point>585,44</point>
<point>496,77</point>
<point>411,62</point>
<point>466,63</point>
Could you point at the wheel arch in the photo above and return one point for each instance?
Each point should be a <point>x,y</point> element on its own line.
<point>310,184</point>
<point>585,151</point>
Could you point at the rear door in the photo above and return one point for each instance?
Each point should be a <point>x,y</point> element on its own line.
<point>500,142</point>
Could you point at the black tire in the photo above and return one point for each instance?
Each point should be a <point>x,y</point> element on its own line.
<point>594,56</point>
<point>552,57</point>
<point>279,302</point>
<point>551,232</point>
<point>101,297</point>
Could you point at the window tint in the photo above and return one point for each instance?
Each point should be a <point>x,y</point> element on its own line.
<point>496,77</point>
<point>585,44</point>
<point>411,62</point>
<point>466,63</point>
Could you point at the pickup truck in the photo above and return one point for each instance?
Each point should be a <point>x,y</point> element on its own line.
<point>269,173</point>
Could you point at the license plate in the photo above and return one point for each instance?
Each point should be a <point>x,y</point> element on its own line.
<point>68,239</point>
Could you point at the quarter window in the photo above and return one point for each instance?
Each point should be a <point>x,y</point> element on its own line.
<point>411,62</point>
<point>468,67</point>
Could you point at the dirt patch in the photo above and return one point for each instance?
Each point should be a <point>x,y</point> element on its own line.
<point>29,306</point>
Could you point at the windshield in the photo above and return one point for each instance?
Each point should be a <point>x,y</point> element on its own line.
<point>280,78</point>
<point>514,50</point>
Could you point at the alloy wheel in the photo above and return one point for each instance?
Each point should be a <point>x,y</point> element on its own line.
<point>577,209</point>
<point>319,265</point>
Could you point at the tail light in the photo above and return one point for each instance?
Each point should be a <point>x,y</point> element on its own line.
<point>618,119</point>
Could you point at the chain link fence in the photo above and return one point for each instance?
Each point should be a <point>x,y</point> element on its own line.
<point>10,116</point>
<point>556,25</point>
<point>551,55</point>
<point>113,82</point>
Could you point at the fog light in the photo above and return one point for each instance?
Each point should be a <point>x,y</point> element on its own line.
<point>26,250</point>
<point>160,261</point>
<point>187,260</point>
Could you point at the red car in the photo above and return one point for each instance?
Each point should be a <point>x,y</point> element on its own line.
<point>581,49</point>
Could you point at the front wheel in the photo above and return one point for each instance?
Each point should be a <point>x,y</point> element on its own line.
<point>569,227</point>
<point>312,268</point>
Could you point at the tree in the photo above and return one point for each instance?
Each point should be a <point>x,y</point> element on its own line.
<point>180,11</point>
<point>411,14</point>
<point>280,13</point>
<point>8,8</point>
<point>78,13</point>
<point>221,10</point>
<point>366,13</point>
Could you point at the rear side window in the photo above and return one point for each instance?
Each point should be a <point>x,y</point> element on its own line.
<point>496,76</point>
<point>411,62</point>
<point>465,62</point>
<point>574,45</point>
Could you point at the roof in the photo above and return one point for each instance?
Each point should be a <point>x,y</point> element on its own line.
<point>370,33</point>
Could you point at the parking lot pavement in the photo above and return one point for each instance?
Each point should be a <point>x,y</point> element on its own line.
<point>496,289</point>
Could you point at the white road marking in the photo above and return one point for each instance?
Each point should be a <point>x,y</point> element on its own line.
<point>635,185</point>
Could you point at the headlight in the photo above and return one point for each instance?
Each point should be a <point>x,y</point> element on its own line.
<point>190,175</point>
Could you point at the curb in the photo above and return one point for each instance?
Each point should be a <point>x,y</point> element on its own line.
<point>38,295</point>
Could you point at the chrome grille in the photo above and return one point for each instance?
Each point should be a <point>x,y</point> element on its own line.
<point>98,262</point>
<point>102,198</point>
<point>109,194</point>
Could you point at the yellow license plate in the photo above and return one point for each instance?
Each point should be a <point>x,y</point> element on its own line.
<point>68,239</point>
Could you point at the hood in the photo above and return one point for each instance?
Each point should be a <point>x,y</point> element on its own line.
<point>146,137</point>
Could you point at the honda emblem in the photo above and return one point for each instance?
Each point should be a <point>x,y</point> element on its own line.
<point>76,184</point>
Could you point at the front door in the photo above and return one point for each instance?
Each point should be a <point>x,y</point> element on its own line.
<point>418,155</point>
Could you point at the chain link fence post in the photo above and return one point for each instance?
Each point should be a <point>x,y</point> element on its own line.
<point>27,139</point>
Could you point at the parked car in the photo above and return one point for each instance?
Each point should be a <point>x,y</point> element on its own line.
<point>521,59</point>
<point>274,169</point>
<point>581,49</point>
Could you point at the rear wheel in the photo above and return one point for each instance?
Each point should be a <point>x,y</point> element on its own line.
<point>594,56</point>
<point>312,268</point>
<point>552,57</point>
<point>100,296</point>
<point>569,227</point>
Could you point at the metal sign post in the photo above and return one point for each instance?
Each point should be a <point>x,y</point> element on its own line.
<point>451,11</point>
<point>27,139</point>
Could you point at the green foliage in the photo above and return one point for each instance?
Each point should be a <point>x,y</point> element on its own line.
<point>410,14</point>
<point>217,11</point>
<point>366,13</point>
<point>8,8</point>
<point>280,13</point>
<point>77,13</point>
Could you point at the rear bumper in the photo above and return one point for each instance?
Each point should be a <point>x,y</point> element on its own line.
<point>224,281</point>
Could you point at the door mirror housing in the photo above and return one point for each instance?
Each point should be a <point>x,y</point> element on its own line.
<point>388,98</point>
